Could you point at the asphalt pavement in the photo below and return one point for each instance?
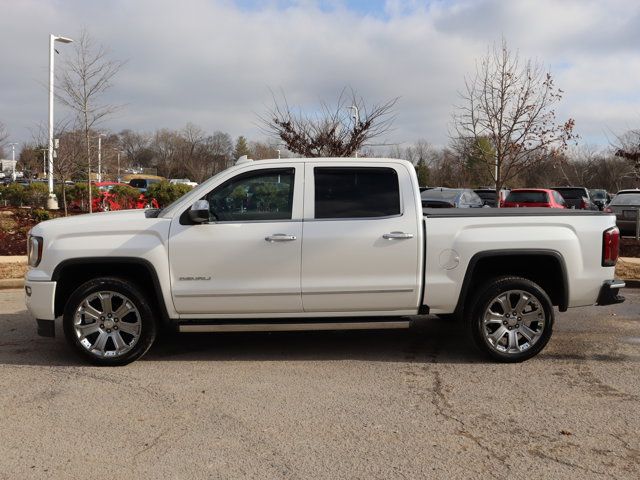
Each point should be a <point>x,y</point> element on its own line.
<point>405,404</point>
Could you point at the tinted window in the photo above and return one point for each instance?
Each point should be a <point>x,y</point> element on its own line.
<point>138,183</point>
<point>572,193</point>
<point>261,195</point>
<point>344,192</point>
<point>484,195</point>
<point>528,197</point>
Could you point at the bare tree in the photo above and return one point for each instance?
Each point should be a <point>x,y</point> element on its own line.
<point>336,131</point>
<point>220,146</point>
<point>628,147</point>
<point>136,148</point>
<point>263,151</point>
<point>511,103</point>
<point>86,76</point>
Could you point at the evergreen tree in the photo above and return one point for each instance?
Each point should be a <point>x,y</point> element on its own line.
<point>241,148</point>
<point>422,171</point>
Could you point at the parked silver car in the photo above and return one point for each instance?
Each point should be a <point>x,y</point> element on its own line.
<point>625,205</point>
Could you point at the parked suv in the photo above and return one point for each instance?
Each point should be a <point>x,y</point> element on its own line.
<point>534,197</point>
<point>577,198</point>
<point>489,196</point>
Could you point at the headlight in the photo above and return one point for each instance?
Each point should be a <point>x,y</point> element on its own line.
<point>34,250</point>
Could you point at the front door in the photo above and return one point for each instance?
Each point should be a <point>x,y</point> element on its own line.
<point>247,258</point>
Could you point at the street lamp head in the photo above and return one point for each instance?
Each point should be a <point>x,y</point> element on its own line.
<point>62,39</point>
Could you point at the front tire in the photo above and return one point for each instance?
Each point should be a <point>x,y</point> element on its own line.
<point>109,322</point>
<point>511,319</point>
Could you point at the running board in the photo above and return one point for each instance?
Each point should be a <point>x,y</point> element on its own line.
<point>293,327</point>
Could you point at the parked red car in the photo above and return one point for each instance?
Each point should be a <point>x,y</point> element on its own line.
<point>107,200</point>
<point>534,197</point>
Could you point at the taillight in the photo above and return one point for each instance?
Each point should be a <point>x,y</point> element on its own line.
<point>610,247</point>
<point>583,205</point>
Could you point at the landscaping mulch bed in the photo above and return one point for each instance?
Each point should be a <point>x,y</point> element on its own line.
<point>15,223</point>
<point>630,247</point>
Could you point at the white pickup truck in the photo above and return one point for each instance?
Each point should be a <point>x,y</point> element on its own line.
<point>315,244</point>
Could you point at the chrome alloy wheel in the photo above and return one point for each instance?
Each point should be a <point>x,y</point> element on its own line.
<point>513,321</point>
<point>107,324</point>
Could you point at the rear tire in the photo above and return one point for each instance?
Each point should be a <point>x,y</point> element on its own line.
<point>510,320</point>
<point>109,322</point>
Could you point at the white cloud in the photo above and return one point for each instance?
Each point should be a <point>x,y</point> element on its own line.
<point>212,63</point>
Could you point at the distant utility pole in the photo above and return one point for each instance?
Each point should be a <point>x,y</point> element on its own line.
<point>13,160</point>
<point>356,119</point>
<point>99,157</point>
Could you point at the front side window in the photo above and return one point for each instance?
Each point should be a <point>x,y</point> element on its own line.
<point>348,192</point>
<point>257,195</point>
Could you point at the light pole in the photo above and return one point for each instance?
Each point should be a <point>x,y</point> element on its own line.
<point>100,156</point>
<point>356,119</point>
<point>13,161</point>
<point>44,162</point>
<point>52,201</point>
<point>119,152</point>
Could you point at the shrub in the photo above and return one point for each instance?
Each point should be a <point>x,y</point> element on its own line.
<point>125,195</point>
<point>40,215</point>
<point>36,194</point>
<point>79,194</point>
<point>165,192</point>
<point>14,194</point>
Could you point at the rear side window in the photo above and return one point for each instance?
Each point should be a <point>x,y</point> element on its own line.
<point>346,192</point>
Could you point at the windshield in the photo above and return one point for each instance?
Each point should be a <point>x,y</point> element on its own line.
<point>598,194</point>
<point>626,199</point>
<point>528,197</point>
<point>437,194</point>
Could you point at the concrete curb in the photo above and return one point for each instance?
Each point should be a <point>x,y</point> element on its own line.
<point>11,283</point>
<point>13,259</point>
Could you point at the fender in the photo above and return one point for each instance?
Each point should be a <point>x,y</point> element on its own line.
<point>563,303</point>
<point>109,261</point>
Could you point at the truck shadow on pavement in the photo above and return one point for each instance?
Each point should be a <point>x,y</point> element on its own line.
<point>429,340</point>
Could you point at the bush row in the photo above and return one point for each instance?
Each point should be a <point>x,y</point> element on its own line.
<point>35,194</point>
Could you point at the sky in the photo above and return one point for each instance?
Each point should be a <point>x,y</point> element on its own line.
<point>215,63</point>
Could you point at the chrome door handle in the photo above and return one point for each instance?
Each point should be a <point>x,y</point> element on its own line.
<point>280,237</point>
<point>397,235</point>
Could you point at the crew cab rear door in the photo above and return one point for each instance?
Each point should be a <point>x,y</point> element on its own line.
<point>360,248</point>
<point>247,259</point>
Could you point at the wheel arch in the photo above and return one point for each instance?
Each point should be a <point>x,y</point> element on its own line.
<point>70,274</point>
<point>548,270</point>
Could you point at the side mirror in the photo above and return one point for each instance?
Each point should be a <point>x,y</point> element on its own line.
<point>199,211</point>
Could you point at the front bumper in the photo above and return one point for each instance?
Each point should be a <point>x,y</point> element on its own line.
<point>609,293</point>
<point>40,301</point>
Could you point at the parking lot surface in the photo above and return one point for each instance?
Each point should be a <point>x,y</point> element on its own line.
<point>408,404</point>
